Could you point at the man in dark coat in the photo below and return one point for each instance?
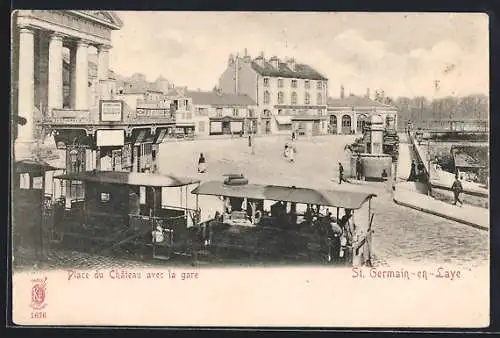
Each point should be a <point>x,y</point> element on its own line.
<point>413,172</point>
<point>341,173</point>
<point>202,166</point>
<point>457,190</point>
<point>358,168</point>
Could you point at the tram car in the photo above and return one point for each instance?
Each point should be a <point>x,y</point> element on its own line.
<point>278,223</point>
<point>125,211</point>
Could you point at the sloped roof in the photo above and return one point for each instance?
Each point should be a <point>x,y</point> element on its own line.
<point>470,156</point>
<point>333,198</point>
<point>219,99</point>
<point>140,87</point>
<point>176,91</point>
<point>109,17</point>
<point>129,178</point>
<point>355,101</point>
<point>302,71</point>
<point>32,165</point>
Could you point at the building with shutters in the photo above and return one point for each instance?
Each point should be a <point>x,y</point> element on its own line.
<point>217,113</point>
<point>289,95</point>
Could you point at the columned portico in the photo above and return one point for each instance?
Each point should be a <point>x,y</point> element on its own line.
<point>44,94</point>
<point>72,75</point>
<point>82,71</point>
<point>55,86</point>
<point>26,93</point>
<point>102,62</point>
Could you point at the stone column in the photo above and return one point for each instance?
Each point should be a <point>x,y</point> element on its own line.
<point>82,76</point>
<point>72,76</point>
<point>55,72</point>
<point>26,94</point>
<point>339,123</point>
<point>102,62</point>
<point>354,122</point>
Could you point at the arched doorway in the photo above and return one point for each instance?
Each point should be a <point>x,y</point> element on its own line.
<point>362,119</point>
<point>346,124</point>
<point>333,124</point>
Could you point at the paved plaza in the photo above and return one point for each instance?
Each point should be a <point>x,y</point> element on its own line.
<point>402,235</point>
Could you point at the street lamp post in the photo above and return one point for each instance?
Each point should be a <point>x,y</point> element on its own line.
<point>73,156</point>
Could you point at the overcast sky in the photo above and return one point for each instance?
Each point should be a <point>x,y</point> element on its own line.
<point>400,53</point>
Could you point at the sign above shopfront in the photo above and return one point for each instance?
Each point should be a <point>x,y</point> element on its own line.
<point>111,110</point>
<point>110,138</point>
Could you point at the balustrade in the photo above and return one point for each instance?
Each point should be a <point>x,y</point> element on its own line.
<point>78,116</point>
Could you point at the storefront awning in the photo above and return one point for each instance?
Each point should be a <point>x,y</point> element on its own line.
<point>184,124</point>
<point>161,136</point>
<point>308,118</point>
<point>140,137</point>
<point>284,119</point>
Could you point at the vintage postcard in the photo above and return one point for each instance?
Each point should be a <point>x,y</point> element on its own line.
<point>241,169</point>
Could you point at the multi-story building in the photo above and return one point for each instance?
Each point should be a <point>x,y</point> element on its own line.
<point>349,114</point>
<point>290,95</point>
<point>217,113</point>
<point>182,104</point>
<point>135,94</point>
<point>55,91</point>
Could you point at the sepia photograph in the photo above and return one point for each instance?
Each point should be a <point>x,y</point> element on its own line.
<point>237,168</point>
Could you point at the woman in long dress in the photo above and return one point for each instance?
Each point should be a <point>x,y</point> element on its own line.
<point>202,165</point>
<point>291,153</point>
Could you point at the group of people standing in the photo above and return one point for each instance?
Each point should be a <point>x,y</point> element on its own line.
<point>417,173</point>
<point>290,150</point>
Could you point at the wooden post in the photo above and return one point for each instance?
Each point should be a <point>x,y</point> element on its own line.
<point>42,221</point>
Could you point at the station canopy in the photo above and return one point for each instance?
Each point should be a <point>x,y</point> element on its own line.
<point>129,178</point>
<point>332,198</point>
<point>31,165</point>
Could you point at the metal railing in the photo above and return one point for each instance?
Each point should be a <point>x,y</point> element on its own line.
<point>75,116</point>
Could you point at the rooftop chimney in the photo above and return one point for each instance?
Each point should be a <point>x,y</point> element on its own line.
<point>246,57</point>
<point>275,62</point>
<point>260,60</point>
<point>230,60</point>
<point>342,91</point>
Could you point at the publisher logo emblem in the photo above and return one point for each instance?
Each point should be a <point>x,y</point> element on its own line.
<point>38,293</point>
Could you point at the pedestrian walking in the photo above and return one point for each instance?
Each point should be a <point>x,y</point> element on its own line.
<point>457,190</point>
<point>413,172</point>
<point>202,165</point>
<point>341,173</point>
<point>358,168</point>
<point>291,153</point>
